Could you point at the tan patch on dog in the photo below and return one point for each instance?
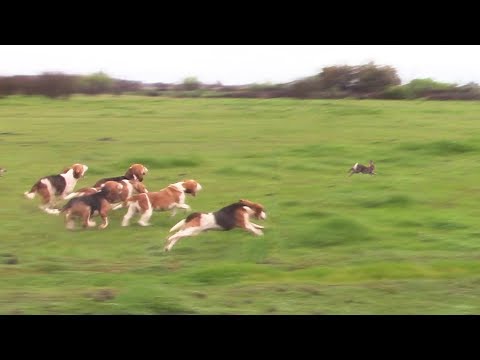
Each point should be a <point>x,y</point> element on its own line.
<point>164,199</point>
<point>240,218</point>
<point>142,202</point>
<point>194,221</point>
<point>138,186</point>
<point>45,195</point>
<point>190,187</point>
<point>112,190</point>
<point>77,170</point>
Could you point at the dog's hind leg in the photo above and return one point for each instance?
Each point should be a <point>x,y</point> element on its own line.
<point>69,223</point>
<point>172,240</point>
<point>145,217</point>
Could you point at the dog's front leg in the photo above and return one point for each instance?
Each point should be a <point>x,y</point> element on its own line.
<point>250,228</point>
<point>184,206</point>
<point>130,212</point>
<point>103,215</point>
<point>105,221</point>
<point>257,226</point>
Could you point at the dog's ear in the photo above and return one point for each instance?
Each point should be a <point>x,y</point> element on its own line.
<point>77,172</point>
<point>129,174</point>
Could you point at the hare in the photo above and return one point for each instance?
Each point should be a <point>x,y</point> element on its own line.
<point>362,169</point>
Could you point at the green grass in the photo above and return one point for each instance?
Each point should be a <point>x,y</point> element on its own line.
<point>403,242</point>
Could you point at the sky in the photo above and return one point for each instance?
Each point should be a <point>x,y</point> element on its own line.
<point>239,64</point>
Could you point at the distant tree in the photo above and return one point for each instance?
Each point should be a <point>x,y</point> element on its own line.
<point>344,80</point>
<point>191,83</point>
<point>96,83</point>
<point>371,78</point>
<point>363,79</point>
<point>421,87</point>
<point>336,78</point>
<point>424,88</point>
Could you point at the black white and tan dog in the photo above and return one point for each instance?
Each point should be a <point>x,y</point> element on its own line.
<point>134,172</point>
<point>52,187</point>
<point>236,215</point>
<point>130,188</point>
<point>98,203</point>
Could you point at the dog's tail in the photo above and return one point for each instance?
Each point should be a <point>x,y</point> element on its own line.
<point>33,191</point>
<point>53,211</point>
<point>68,205</point>
<point>178,225</point>
<point>72,195</point>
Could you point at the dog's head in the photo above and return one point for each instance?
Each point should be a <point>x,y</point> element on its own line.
<point>254,209</point>
<point>2,171</point>
<point>191,187</point>
<point>79,170</point>
<point>136,172</point>
<point>111,190</point>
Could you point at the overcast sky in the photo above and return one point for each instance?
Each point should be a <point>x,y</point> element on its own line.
<point>239,64</point>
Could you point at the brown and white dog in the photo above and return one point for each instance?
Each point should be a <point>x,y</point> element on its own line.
<point>98,203</point>
<point>130,188</point>
<point>2,171</point>
<point>227,218</point>
<point>170,198</point>
<point>54,186</point>
<point>134,172</point>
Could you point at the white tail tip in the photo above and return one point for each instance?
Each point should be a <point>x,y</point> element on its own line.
<point>70,196</point>
<point>178,225</point>
<point>29,195</point>
<point>52,211</point>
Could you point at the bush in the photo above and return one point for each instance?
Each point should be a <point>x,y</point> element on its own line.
<point>191,83</point>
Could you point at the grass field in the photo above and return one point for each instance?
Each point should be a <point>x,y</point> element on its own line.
<point>403,242</point>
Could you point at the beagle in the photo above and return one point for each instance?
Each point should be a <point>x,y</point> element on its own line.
<point>53,186</point>
<point>227,218</point>
<point>134,172</point>
<point>129,188</point>
<point>169,198</point>
<point>90,205</point>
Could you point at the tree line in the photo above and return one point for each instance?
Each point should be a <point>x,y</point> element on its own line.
<point>367,81</point>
